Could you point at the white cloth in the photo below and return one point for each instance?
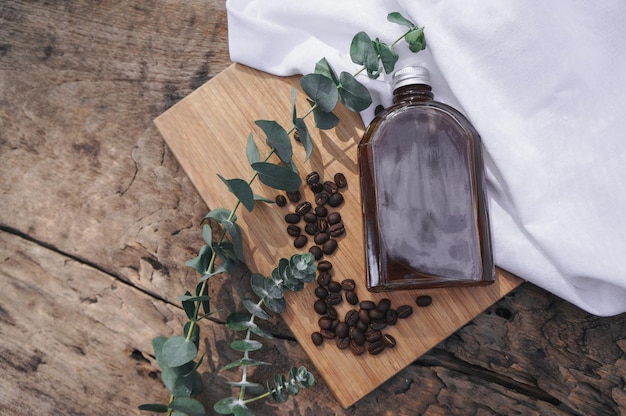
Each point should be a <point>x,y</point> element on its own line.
<point>545,85</point>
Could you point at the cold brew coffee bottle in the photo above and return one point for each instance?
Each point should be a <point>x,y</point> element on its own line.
<point>423,193</point>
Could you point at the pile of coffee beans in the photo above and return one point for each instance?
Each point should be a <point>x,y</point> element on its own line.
<point>361,329</point>
<point>321,223</point>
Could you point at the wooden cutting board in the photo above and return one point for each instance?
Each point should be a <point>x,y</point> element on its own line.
<point>208,130</point>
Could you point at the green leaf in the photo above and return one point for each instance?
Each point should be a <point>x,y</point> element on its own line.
<point>353,94</point>
<point>416,39</point>
<point>255,309</point>
<point>277,138</point>
<point>244,345</point>
<point>324,120</point>
<point>188,305</point>
<point>241,189</point>
<point>153,407</point>
<point>220,215</point>
<point>263,199</point>
<point>203,290</point>
<point>252,151</point>
<point>275,305</point>
<point>238,321</point>
<point>388,56</point>
<point>195,334</point>
<point>189,406</point>
<point>395,17</point>
<point>320,89</point>
<point>362,52</point>
<point>235,236</point>
<point>188,297</point>
<point>322,67</point>
<point>202,260</point>
<point>245,361</point>
<point>232,405</point>
<point>304,137</point>
<point>277,177</point>
<point>178,351</point>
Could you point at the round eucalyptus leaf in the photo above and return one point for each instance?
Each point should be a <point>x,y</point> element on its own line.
<point>177,351</point>
<point>321,89</point>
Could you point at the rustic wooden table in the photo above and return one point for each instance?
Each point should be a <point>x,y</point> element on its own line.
<point>97,219</point>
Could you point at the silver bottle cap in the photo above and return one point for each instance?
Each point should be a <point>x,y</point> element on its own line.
<point>411,75</point>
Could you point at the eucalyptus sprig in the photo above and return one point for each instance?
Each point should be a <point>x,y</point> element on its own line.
<point>177,355</point>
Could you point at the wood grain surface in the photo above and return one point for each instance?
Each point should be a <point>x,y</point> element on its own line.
<point>208,132</point>
<point>97,219</point>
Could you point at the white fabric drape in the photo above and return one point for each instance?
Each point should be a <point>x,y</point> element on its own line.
<point>545,85</point>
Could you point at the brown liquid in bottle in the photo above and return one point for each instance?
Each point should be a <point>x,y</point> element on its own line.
<point>425,215</point>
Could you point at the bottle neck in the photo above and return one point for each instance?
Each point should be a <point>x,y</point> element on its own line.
<point>412,93</point>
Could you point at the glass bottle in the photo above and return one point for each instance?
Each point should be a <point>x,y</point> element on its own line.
<point>423,193</point>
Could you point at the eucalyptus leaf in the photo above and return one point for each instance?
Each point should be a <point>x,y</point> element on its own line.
<point>257,330</point>
<point>277,138</point>
<point>153,407</point>
<point>278,305</point>
<point>207,233</point>
<point>324,120</point>
<point>232,406</point>
<point>202,290</point>
<point>304,137</point>
<point>354,95</point>
<point>177,351</point>
<point>277,177</point>
<point>252,150</point>
<point>188,305</point>
<point>235,237</point>
<point>396,17</point>
<point>202,260</point>
<point>320,89</point>
<point>388,56</point>
<point>245,361</point>
<point>246,345</point>
<point>241,189</point>
<point>220,215</point>
<point>188,406</point>
<point>323,67</point>
<point>189,297</point>
<point>362,52</point>
<point>255,309</point>
<point>263,199</point>
<point>238,321</point>
<point>195,334</point>
<point>416,39</point>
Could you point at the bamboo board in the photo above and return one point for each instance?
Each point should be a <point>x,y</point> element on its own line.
<point>207,132</point>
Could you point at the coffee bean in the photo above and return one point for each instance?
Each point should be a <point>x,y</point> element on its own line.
<point>280,200</point>
<point>356,348</point>
<point>296,136</point>
<point>312,178</point>
<point>310,218</point>
<point>321,198</point>
<point>327,333</point>
<point>341,330</point>
<point>322,225</point>
<point>293,230</point>
<point>334,324</point>
<point>351,297</point>
<point>317,338</point>
<point>317,252</point>
<point>332,312</point>
<point>334,298</point>
<point>358,336</point>
<point>367,305</point>
<point>294,196</point>
<point>389,340</point>
<point>343,343</point>
<point>340,180</point>
<point>335,200</point>
<point>384,305</point>
<point>334,286</point>
<point>330,246</point>
<point>321,238</point>
<point>321,211</point>
<point>324,266</point>
<point>376,314</point>
<point>336,230</point>
<point>423,301</point>
<point>364,316</point>
<point>310,229</point>
<point>373,335</point>
<point>325,322</point>
<point>320,307</point>
<point>404,311</point>
<point>316,188</point>
<point>303,208</point>
<point>300,241</point>
<point>361,326</point>
<point>376,348</point>
<point>334,218</point>
<point>321,292</point>
<point>348,284</point>
<point>330,187</point>
<point>391,317</point>
<point>292,218</point>
<point>378,325</point>
<point>323,278</point>
<point>352,316</point>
